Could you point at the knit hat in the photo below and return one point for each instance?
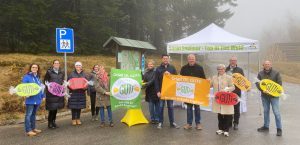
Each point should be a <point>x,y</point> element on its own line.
<point>78,63</point>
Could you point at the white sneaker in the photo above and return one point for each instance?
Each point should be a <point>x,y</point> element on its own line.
<point>226,134</point>
<point>159,126</point>
<point>174,125</point>
<point>218,132</point>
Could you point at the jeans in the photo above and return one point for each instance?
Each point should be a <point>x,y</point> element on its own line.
<point>190,113</point>
<point>30,117</point>
<point>102,114</point>
<point>274,101</point>
<point>170,111</point>
<point>154,110</point>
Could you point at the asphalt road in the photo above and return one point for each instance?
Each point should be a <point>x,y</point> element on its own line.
<point>147,134</point>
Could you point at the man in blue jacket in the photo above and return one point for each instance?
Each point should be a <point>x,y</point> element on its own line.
<point>164,68</point>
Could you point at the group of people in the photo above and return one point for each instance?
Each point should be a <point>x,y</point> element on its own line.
<point>98,91</point>
<point>228,115</point>
<point>154,76</point>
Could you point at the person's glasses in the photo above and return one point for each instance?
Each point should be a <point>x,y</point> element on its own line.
<point>220,69</point>
<point>34,67</point>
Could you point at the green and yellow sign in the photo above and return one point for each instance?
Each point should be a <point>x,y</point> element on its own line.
<point>27,89</point>
<point>125,89</point>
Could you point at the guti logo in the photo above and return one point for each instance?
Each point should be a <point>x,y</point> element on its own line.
<point>126,89</point>
<point>185,90</point>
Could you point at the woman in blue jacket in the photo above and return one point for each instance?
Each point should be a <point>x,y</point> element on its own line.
<point>32,102</point>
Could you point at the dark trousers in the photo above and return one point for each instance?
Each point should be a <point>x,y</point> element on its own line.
<point>224,122</point>
<point>52,115</point>
<point>94,109</point>
<point>236,116</point>
<point>76,114</point>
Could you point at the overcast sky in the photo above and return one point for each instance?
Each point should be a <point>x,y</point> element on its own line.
<point>252,17</point>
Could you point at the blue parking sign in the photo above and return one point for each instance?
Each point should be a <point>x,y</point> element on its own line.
<point>64,40</point>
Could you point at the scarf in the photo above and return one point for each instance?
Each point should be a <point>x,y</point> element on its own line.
<point>55,70</point>
<point>103,77</point>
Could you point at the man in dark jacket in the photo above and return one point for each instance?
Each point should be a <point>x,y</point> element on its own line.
<point>164,68</point>
<point>195,70</point>
<point>231,69</point>
<point>269,73</point>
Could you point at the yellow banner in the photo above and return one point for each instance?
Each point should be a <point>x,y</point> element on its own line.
<point>186,89</point>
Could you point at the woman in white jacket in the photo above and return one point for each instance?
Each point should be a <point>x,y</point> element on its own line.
<point>222,82</point>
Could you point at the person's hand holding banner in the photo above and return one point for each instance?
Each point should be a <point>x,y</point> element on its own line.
<point>226,89</point>
<point>167,73</point>
<point>158,94</point>
<point>107,93</point>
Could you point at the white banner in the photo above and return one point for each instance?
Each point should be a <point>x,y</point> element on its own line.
<point>187,49</point>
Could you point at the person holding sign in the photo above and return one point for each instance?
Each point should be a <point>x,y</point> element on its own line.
<point>32,102</point>
<point>164,68</point>
<point>195,70</point>
<point>222,83</point>
<point>53,101</point>
<point>103,96</point>
<point>231,69</point>
<point>269,73</point>
<point>77,101</point>
<point>151,96</point>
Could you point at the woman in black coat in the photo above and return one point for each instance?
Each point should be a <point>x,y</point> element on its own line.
<point>53,103</point>
<point>151,96</point>
<point>77,101</point>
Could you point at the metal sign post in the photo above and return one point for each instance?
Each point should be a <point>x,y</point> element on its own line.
<point>66,76</point>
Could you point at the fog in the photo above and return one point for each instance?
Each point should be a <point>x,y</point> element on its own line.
<point>254,18</point>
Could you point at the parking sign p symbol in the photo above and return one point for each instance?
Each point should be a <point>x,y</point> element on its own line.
<point>62,32</point>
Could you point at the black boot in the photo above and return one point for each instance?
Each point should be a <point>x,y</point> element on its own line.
<point>50,125</point>
<point>54,124</point>
<point>235,126</point>
<point>279,132</point>
<point>263,129</point>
